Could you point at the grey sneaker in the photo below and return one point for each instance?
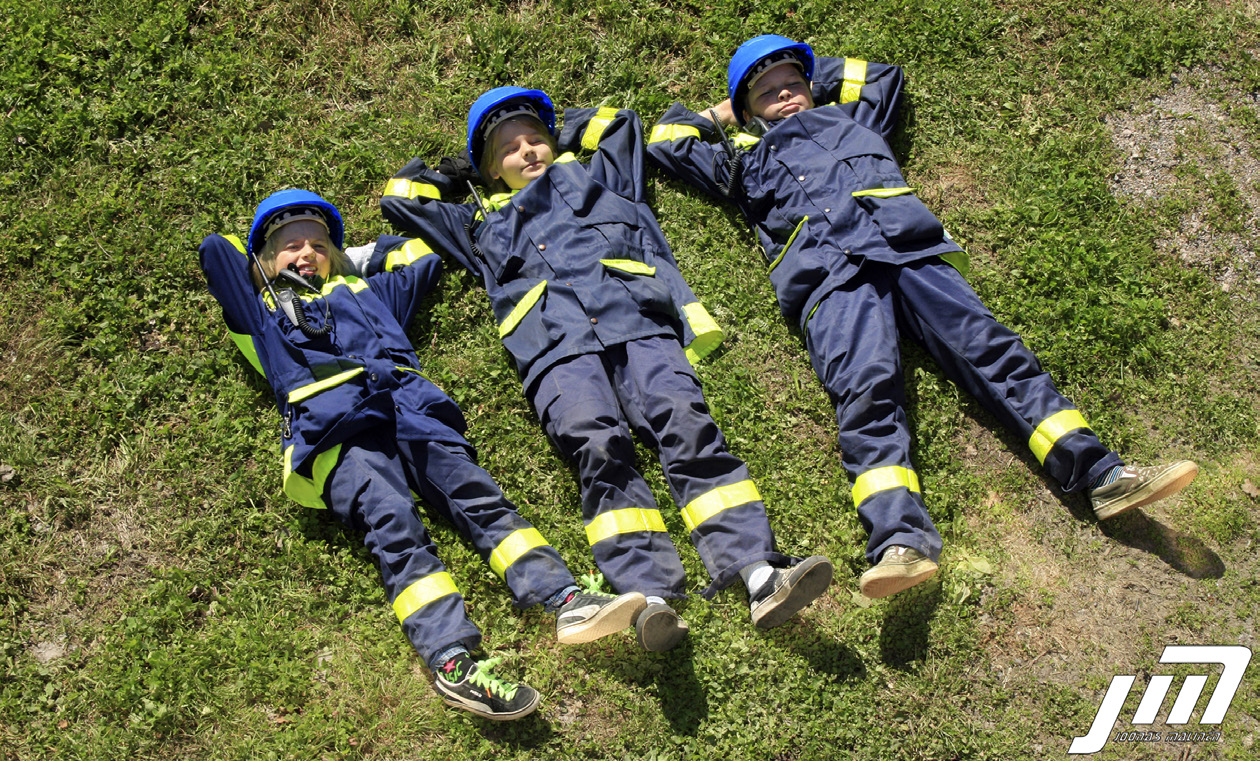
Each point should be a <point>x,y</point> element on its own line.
<point>659,628</point>
<point>897,570</point>
<point>591,614</point>
<point>789,590</point>
<point>1141,486</point>
<point>470,685</point>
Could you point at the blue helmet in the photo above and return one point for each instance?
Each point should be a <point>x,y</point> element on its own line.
<point>293,203</point>
<point>503,103</point>
<point>746,64</point>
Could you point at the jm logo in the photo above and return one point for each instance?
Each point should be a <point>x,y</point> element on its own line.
<point>1233,657</point>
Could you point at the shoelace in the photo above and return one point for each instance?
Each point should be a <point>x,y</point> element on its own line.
<point>491,683</point>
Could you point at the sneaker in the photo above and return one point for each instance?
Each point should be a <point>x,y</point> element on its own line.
<point>470,685</point>
<point>659,628</point>
<point>899,569</point>
<point>592,614</point>
<point>1141,486</point>
<point>789,590</point>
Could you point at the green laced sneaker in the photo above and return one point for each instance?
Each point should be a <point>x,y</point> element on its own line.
<point>1141,486</point>
<point>592,614</point>
<point>898,569</point>
<point>472,686</point>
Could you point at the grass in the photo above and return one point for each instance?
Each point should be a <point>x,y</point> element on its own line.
<point>161,598</point>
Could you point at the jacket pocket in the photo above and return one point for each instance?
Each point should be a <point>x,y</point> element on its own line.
<point>901,217</point>
<point>639,278</point>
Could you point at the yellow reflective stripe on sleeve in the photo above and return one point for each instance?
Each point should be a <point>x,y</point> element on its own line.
<point>1052,429</point>
<point>788,245</point>
<point>745,140</point>
<point>408,189</point>
<point>522,309</point>
<point>311,389</point>
<point>407,253</point>
<point>510,550</point>
<point>624,521</point>
<point>722,498</point>
<point>708,334</point>
<point>664,132</point>
<point>854,78</point>
<point>309,492</point>
<point>565,158</point>
<point>432,587</point>
<point>245,343</point>
<point>235,241</point>
<point>628,265</point>
<point>595,128</point>
<point>882,192</point>
<point>882,479</point>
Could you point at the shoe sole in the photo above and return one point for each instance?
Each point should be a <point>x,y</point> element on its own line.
<point>612,618</point>
<point>1167,484</point>
<point>662,630</point>
<point>517,714</point>
<point>811,580</point>
<point>876,584</point>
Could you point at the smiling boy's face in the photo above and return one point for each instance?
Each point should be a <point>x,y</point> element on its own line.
<point>778,93</point>
<point>521,152</point>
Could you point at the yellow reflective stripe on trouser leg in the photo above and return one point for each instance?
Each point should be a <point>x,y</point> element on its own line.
<point>1052,429</point>
<point>432,587</point>
<point>665,132</point>
<point>623,521</point>
<point>510,550</point>
<point>882,479</point>
<point>854,78</point>
<point>408,253</point>
<point>722,498</point>
<point>595,128</point>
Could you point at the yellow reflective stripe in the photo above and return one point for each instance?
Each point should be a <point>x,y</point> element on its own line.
<point>311,389</point>
<point>722,498</point>
<point>708,334</point>
<point>882,479</point>
<point>595,129</point>
<point>407,253</point>
<point>882,192</point>
<point>854,78</point>
<point>745,140</point>
<point>510,550</point>
<point>1052,429</point>
<point>629,265</point>
<point>624,521</point>
<point>408,189</point>
<point>421,593</point>
<point>498,201</point>
<point>245,343</point>
<point>664,132</point>
<point>788,245</point>
<point>521,309</point>
<point>309,492</point>
<point>235,241</point>
<point>565,158</point>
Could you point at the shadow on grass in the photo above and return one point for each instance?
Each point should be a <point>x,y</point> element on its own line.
<point>1186,553</point>
<point>671,676</point>
<point>825,654</point>
<point>905,635</point>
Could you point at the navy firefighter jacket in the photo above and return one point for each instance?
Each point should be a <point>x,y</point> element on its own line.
<point>364,374</point>
<point>573,262</point>
<point>821,187</point>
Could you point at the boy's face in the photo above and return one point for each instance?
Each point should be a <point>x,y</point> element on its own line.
<point>304,244</point>
<point>521,152</point>
<point>779,93</point>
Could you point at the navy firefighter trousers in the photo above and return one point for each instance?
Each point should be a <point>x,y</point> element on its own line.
<point>589,404</point>
<point>852,338</point>
<point>371,490</point>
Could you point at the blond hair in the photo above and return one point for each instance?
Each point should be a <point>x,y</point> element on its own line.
<point>338,262</point>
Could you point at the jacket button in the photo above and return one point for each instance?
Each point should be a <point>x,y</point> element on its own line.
<point>801,178</point>
<point>542,246</point>
<point>520,208</point>
<point>373,376</point>
<point>774,147</point>
<point>594,320</point>
<point>826,211</point>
